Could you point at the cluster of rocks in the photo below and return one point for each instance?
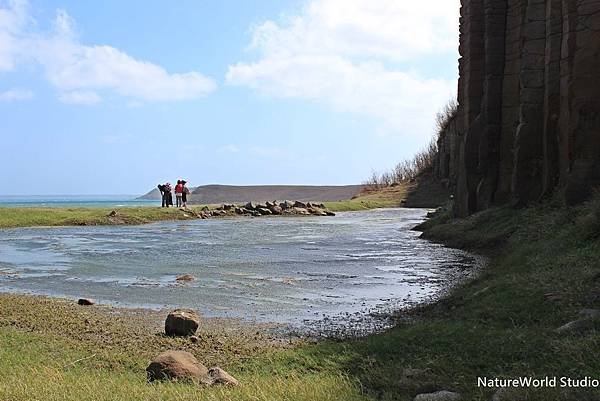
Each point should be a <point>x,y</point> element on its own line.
<point>273,208</point>
<point>179,365</point>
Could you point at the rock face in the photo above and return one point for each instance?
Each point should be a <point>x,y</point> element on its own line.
<point>182,322</point>
<point>177,365</point>
<point>528,121</point>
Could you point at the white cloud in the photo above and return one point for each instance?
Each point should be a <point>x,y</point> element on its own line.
<point>16,94</point>
<point>83,73</point>
<point>348,54</point>
<point>80,97</point>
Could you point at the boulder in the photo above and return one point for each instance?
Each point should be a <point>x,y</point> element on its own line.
<point>240,210</point>
<point>300,210</point>
<point>264,211</point>
<point>442,395</point>
<point>219,376</point>
<point>179,366</point>
<point>276,210</point>
<point>270,204</point>
<point>113,213</point>
<point>182,322</point>
<point>185,277</point>
<point>285,205</point>
<point>328,213</point>
<point>250,206</point>
<point>85,301</point>
<point>205,209</point>
<point>300,204</point>
<point>228,207</point>
<point>316,212</point>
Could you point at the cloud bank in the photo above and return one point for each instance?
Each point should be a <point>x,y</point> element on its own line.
<point>357,56</point>
<point>83,73</point>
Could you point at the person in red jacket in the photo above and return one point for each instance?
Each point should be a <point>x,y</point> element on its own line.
<point>179,193</point>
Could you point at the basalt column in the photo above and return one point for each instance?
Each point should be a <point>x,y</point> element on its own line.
<point>491,107</point>
<point>527,184</point>
<point>470,94</point>
<point>580,99</point>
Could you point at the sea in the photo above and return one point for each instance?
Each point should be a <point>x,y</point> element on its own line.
<point>75,201</point>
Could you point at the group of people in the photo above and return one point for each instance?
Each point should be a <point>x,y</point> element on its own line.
<point>181,194</point>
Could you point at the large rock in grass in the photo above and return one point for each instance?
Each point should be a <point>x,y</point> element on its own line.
<point>178,366</point>
<point>182,322</point>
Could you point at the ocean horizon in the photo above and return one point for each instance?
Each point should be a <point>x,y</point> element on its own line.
<point>74,201</point>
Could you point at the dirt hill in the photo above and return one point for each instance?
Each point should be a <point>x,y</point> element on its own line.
<point>212,194</point>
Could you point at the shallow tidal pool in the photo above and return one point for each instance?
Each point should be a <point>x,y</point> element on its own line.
<point>291,270</point>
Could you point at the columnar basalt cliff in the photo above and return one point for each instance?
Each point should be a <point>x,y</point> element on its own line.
<point>528,122</point>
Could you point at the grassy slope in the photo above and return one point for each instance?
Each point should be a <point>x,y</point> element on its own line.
<point>545,268</point>
<point>381,198</point>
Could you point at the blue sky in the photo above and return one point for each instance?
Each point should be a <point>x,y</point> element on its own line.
<point>115,97</point>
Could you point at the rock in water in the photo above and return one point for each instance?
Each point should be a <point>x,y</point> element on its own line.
<point>182,322</point>
<point>185,277</point>
<point>177,365</point>
<point>439,396</point>
<point>219,376</point>
<point>85,301</point>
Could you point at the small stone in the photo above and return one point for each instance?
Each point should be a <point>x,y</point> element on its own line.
<point>85,301</point>
<point>113,213</point>
<point>194,339</point>
<point>185,277</point>
<point>439,396</point>
<point>219,376</point>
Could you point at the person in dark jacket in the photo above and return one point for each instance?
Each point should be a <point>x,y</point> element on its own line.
<point>184,193</point>
<point>161,189</point>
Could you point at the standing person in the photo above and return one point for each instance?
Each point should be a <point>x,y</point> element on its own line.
<point>184,193</point>
<point>167,194</point>
<point>179,193</point>
<point>163,198</point>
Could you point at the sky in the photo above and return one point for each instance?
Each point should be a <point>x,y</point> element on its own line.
<point>114,97</point>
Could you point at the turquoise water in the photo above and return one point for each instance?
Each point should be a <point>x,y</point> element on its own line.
<point>292,270</point>
<point>75,201</point>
